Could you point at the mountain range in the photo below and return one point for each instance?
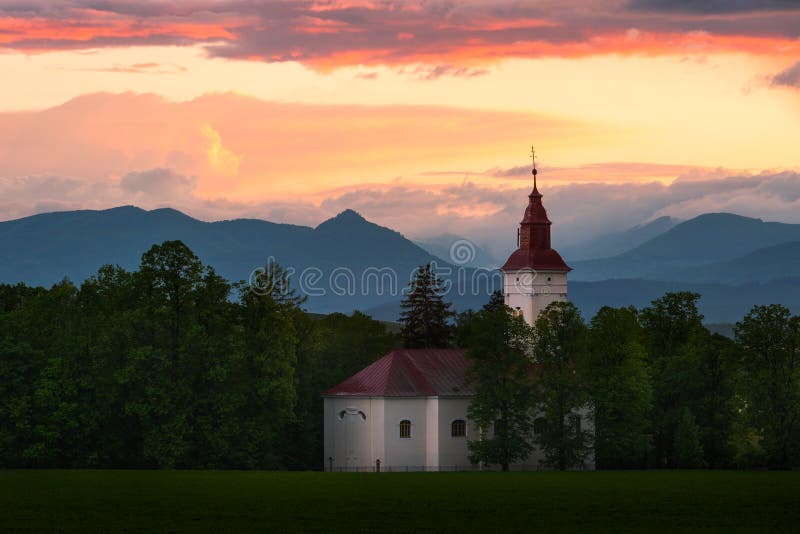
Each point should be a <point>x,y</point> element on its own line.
<point>459,250</point>
<point>614,243</point>
<point>718,247</point>
<point>349,263</point>
<point>43,249</point>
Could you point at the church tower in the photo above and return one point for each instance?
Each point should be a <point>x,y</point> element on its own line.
<point>534,275</point>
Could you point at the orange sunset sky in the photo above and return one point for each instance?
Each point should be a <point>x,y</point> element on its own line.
<point>418,114</point>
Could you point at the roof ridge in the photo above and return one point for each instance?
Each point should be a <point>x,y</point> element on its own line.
<point>417,375</point>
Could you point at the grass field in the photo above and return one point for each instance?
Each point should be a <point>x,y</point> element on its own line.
<point>545,502</point>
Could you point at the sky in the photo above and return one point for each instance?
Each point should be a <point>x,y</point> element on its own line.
<point>418,114</point>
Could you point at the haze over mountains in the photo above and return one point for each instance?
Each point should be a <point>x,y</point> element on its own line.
<point>711,247</point>
<point>733,261</point>
<point>615,243</point>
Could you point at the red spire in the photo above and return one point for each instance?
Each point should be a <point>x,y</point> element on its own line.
<point>534,250</point>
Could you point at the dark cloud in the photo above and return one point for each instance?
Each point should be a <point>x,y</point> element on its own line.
<point>437,71</point>
<point>789,77</point>
<point>446,35</point>
<point>158,183</point>
<point>715,6</point>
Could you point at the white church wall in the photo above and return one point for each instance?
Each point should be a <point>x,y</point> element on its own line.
<point>531,291</point>
<point>353,429</point>
<point>403,452</point>
<point>431,434</point>
<point>453,450</point>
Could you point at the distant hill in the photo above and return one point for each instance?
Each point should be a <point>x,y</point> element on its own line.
<point>719,303</point>
<point>343,263</point>
<point>462,251</point>
<point>612,244</point>
<point>43,249</point>
<point>677,253</point>
<point>764,264</point>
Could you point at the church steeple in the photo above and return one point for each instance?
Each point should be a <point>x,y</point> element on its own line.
<point>535,275</point>
<point>534,231</point>
<point>534,244</point>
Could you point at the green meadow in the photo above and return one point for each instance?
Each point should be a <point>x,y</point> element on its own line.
<point>544,501</point>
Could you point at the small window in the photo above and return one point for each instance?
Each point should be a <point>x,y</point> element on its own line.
<point>405,428</point>
<point>458,428</point>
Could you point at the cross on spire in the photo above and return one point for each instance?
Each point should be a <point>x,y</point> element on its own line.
<point>534,171</point>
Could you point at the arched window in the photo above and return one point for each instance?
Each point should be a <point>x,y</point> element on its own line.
<point>405,428</point>
<point>458,428</point>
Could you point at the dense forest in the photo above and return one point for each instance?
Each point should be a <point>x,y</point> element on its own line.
<point>162,368</point>
<point>172,366</point>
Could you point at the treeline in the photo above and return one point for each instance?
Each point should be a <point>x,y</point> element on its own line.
<point>171,366</point>
<point>660,390</point>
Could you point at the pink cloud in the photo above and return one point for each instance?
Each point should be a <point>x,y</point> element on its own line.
<point>331,34</point>
<point>103,150</point>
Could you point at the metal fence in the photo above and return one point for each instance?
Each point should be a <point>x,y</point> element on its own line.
<point>427,468</point>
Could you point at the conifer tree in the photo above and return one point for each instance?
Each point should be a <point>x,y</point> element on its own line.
<point>425,313</point>
<point>496,301</point>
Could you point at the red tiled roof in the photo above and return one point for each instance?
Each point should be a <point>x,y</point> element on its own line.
<point>410,373</point>
<point>537,259</point>
<point>535,212</point>
<point>534,250</point>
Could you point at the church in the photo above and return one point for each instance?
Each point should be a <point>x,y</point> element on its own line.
<point>408,410</point>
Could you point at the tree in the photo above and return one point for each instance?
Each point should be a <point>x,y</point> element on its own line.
<point>161,368</point>
<point>463,322</point>
<point>560,353</point>
<point>329,350</point>
<point>425,313</point>
<point>499,351</point>
<point>672,326</point>
<point>692,370</point>
<point>619,388</point>
<point>268,399</point>
<point>497,301</point>
<point>716,406</point>
<point>688,449</point>
<point>770,342</point>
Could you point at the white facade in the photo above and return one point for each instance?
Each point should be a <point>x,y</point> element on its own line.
<point>530,291</point>
<point>413,429</point>
<point>359,431</point>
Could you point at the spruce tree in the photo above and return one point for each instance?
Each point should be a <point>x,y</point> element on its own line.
<point>425,313</point>
<point>497,301</point>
